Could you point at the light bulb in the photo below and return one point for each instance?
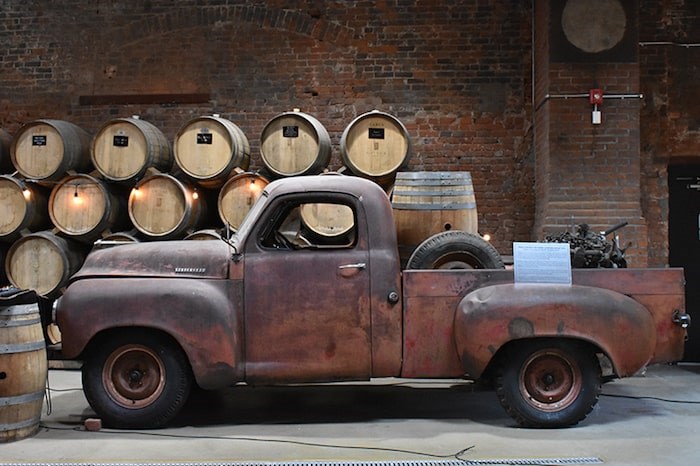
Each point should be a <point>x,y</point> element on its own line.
<point>77,200</point>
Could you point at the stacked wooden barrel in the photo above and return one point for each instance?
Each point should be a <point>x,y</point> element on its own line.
<point>295,143</point>
<point>63,192</point>
<point>209,149</point>
<point>375,145</point>
<point>42,152</point>
<point>45,150</point>
<point>237,196</point>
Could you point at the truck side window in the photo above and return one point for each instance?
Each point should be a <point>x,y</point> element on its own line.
<point>314,225</point>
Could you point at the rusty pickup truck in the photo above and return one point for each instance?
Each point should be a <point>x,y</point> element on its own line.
<point>281,303</point>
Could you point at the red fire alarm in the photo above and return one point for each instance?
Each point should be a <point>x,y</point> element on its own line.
<point>595,96</point>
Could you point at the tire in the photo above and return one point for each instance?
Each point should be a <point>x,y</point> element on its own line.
<point>136,379</point>
<point>455,250</point>
<point>548,383</point>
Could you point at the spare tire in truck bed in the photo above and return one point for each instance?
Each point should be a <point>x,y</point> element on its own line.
<point>455,250</point>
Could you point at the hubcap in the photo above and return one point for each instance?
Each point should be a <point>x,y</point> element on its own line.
<point>456,261</point>
<point>134,376</point>
<point>549,381</point>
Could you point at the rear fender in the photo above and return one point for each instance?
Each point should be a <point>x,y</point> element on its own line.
<point>199,314</point>
<point>490,317</point>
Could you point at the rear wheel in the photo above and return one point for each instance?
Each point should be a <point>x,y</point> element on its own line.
<point>136,380</point>
<point>549,383</point>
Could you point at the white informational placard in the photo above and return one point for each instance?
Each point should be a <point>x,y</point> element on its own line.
<point>542,263</point>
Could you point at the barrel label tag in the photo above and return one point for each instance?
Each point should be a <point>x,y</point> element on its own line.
<point>290,131</point>
<point>120,141</point>
<point>376,133</point>
<point>38,140</point>
<point>205,138</point>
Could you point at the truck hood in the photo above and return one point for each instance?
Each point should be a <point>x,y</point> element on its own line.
<point>196,259</point>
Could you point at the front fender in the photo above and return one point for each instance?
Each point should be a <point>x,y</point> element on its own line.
<point>201,315</point>
<point>492,316</point>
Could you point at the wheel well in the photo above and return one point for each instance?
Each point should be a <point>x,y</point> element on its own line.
<point>604,362</point>
<point>105,334</point>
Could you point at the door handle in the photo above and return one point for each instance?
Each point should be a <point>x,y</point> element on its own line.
<point>350,270</point>
<point>359,265</point>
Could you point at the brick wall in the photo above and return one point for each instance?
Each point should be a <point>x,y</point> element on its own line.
<point>457,74</point>
<point>670,117</point>
<point>587,173</point>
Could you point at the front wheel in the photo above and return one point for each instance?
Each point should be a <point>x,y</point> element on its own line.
<point>549,383</point>
<point>136,380</point>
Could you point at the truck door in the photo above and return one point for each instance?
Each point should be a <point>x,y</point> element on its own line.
<point>307,311</point>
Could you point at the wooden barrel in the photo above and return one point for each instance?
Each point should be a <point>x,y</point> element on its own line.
<point>294,143</point>
<point>237,196</point>
<point>163,207</point>
<point>43,262</point>
<point>3,276</point>
<point>128,236</point>
<point>23,371</point>
<point>46,149</point>
<point>209,148</point>
<point>6,166</point>
<point>124,148</point>
<point>118,238</point>
<point>375,145</point>
<point>426,203</point>
<point>23,206</point>
<point>327,220</point>
<point>203,235</point>
<point>83,207</point>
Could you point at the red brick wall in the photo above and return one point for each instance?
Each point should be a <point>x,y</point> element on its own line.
<point>587,173</point>
<point>457,74</point>
<point>541,112</point>
<point>670,118</point>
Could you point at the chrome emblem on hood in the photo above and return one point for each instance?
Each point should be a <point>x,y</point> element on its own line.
<point>190,270</point>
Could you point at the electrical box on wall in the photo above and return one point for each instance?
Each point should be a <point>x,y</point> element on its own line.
<point>595,97</point>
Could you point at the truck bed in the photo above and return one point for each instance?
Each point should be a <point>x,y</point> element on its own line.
<point>431,296</point>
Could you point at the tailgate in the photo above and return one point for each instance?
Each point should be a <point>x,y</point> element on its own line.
<point>661,291</point>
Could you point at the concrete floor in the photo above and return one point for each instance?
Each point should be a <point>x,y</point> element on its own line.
<point>387,421</point>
